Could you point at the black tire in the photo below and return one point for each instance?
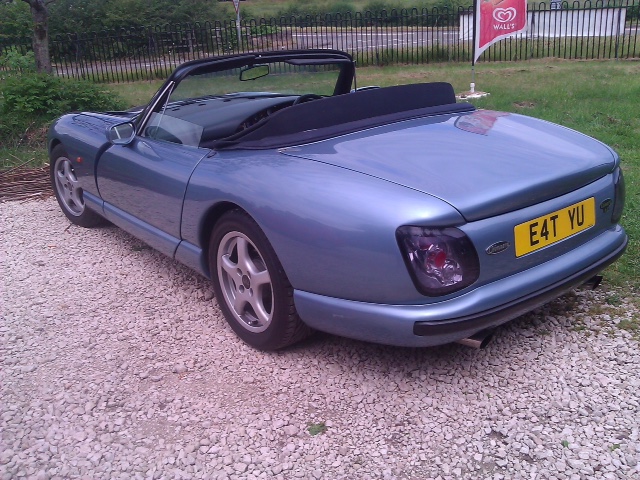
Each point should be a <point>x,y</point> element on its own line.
<point>68,192</point>
<point>251,286</point>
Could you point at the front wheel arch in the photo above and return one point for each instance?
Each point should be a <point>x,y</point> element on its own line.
<point>207,225</point>
<point>53,144</point>
<point>68,190</point>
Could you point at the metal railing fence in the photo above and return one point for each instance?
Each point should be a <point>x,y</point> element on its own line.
<point>581,30</point>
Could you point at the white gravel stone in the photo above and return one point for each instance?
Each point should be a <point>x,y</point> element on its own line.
<point>291,430</point>
<point>116,363</point>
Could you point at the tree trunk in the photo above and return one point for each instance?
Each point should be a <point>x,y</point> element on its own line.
<point>40,40</point>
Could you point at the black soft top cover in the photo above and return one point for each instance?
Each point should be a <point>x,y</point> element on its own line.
<point>337,115</point>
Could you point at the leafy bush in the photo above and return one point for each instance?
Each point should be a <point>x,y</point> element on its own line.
<point>17,130</point>
<point>37,94</point>
<point>379,5</point>
<point>261,30</point>
<point>13,61</point>
<point>301,8</point>
<point>30,100</point>
<point>341,6</point>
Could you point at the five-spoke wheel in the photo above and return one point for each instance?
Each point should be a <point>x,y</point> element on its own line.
<point>251,286</point>
<point>67,186</point>
<point>245,281</point>
<point>68,191</point>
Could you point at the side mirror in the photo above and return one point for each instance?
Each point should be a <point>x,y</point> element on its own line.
<point>253,72</point>
<point>122,133</point>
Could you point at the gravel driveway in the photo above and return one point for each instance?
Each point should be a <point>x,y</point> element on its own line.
<point>116,363</point>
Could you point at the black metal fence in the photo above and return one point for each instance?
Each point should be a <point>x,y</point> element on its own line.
<point>581,30</point>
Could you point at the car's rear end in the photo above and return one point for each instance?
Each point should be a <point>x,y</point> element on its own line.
<point>539,207</point>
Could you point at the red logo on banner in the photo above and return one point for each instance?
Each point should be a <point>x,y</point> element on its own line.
<point>498,19</point>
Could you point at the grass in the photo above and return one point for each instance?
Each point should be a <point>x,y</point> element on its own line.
<point>598,98</point>
<point>137,93</point>
<point>630,325</point>
<point>316,428</point>
<point>29,157</point>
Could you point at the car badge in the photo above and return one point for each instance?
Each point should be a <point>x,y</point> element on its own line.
<point>497,247</point>
<point>604,206</point>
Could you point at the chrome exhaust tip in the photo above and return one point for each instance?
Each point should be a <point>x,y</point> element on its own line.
<point>478,340</point>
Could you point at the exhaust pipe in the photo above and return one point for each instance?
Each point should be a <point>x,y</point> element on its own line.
<point>478,340</point>
<point>593,282</point>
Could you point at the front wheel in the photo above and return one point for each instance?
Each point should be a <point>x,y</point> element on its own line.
<point>251,286</point>
<point>68,191</point>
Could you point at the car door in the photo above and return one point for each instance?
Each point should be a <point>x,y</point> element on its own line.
<point>143,186</point>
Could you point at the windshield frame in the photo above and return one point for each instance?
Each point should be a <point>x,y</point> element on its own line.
<point>344,83</point>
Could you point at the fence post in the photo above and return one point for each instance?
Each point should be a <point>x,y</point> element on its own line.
<point>618,32</point>
<point>532,25</point>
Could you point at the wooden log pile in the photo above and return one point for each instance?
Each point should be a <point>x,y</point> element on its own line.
<point>22,183</point>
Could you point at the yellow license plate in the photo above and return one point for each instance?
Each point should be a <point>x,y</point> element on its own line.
<point>555,226</point>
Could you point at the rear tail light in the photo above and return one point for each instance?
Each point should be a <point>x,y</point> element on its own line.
<point>618,200</point>
<point>440,261</point>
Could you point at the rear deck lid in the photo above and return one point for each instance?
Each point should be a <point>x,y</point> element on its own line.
<point>483,163</point>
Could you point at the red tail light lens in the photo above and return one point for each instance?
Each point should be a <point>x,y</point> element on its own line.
<point>440,261</point>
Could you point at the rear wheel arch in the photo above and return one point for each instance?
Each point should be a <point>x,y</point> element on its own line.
<point>267,320</point>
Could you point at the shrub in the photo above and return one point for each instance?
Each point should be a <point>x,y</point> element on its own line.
<point>30,100</point>
<point>263,29</point>
<point>14,62</point>
<point>341,6</point>
<point>37,94</point>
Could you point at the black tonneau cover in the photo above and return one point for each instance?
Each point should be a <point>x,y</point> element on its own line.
<point>332,116</point>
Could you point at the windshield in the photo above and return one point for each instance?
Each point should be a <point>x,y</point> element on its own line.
<point>281,78</point>
<point>204,101</point>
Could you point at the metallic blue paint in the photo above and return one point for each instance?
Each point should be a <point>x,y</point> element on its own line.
<point>525,160</point>
<point>84,135</point>
<point>333,229</point>
<point>154,237</point>
<point>193,257</point>
<point>490,230</point>
<point>148,180</point>
<point>394,324</point>
<point>330,209</point>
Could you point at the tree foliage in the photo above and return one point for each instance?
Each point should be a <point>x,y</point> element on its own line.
<point>80,16</point>
<point>40,19</point>
<point>15,20</point>
<point>40,95</point>
<point>30,100</point>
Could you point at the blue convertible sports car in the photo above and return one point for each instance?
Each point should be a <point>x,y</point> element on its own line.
<point>393,215</point>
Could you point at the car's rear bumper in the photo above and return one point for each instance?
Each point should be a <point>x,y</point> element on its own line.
<point>484,307</point>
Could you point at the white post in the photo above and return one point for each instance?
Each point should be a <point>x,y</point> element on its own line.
<point>472,87</point>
